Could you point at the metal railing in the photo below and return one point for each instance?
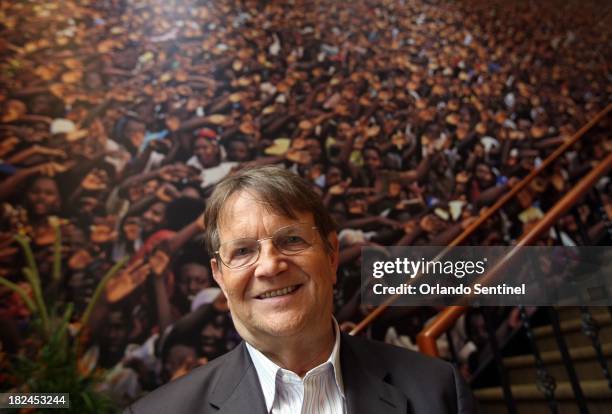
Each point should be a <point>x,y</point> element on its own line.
<point>489,212</point>
<point>446,319</point>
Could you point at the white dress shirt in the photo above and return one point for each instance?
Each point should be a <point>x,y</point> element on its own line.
<point>320,391</point>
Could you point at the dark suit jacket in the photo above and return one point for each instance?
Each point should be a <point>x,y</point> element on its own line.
<point>378,379</point>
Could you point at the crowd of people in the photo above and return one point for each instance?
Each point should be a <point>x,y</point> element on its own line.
<point>408,117</point>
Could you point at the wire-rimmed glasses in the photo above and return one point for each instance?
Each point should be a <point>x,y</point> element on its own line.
<point>289,240</point>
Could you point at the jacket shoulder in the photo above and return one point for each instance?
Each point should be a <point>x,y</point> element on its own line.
<point>431,384</point>
<point>187,394</point>
<point>388,356</point>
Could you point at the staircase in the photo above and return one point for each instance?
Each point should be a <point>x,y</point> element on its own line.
<point>521,373</point>
<point>522,369</point>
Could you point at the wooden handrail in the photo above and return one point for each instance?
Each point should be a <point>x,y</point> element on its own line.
<point>492,210</point>
<point>534,173</point>
<point>427,338</point>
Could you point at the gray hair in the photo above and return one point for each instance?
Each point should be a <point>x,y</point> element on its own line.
<point>280,190</point>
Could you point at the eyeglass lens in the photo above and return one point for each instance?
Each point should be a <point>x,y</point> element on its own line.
<point>288,240</point>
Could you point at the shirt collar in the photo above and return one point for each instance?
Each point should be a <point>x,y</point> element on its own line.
<point>268,370</point>
<point>334,358</point>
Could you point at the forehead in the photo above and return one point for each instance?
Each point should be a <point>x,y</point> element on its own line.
<point>312,143</point>
<point>180,351</point>
<point>116,317</point>
<point>131,220</point>
<point>238,144</point>
<point>244,214</point>
<point>203,143</point>
<point>133,124</point>
<point>158,207</point>
<point>100,172</point>
<point>44,183</point>
<point>194,269</point>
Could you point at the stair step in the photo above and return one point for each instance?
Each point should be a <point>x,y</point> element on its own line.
<point>573,312</point>
<point>572,332</point>
<point>522,370</point>
<point>530,400</point>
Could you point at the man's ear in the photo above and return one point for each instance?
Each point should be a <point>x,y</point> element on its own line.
<point>334,253</point>
<point>217,273</point>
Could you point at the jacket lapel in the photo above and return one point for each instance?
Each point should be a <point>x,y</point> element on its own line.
<point>365,387</point>
<point>238,389</point>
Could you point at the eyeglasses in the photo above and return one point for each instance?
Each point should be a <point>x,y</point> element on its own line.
<point>289,240</point>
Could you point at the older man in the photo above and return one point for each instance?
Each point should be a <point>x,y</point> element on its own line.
<point>275,255</point>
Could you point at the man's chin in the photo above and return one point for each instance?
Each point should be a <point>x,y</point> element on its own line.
<point>282,326</point>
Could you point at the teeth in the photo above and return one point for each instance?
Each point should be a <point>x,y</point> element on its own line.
<point>279,292</point>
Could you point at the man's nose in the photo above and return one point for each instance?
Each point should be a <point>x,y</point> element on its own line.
<point>271,261</point>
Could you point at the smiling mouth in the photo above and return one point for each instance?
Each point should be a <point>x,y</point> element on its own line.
<point>279,292</point>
